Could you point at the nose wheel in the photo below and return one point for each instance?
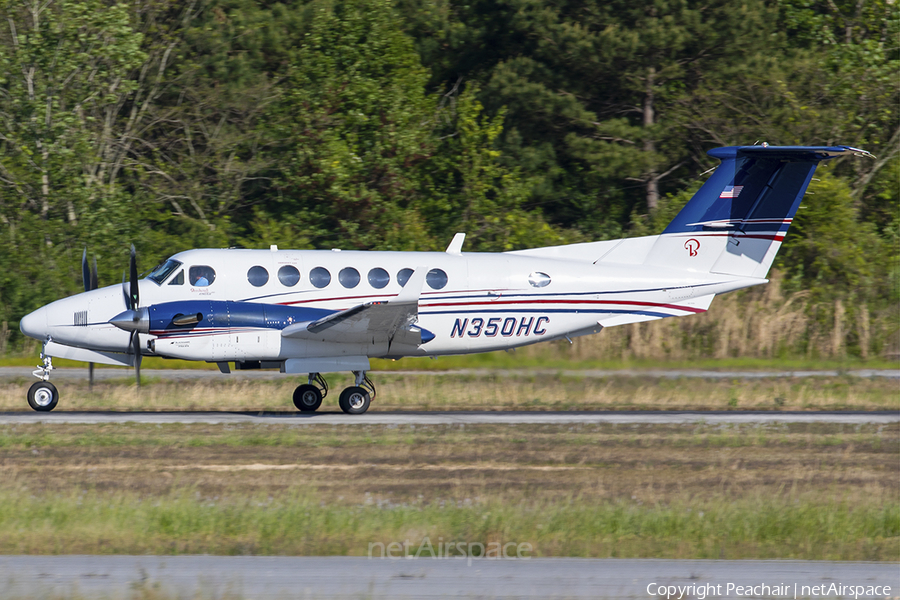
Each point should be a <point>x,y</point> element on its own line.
<point>43,396</point>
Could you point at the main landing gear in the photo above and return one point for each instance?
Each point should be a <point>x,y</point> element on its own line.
<point>43,395</point>
<point>354,400</point>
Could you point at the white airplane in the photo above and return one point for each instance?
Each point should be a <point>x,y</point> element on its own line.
<point>317,311</point>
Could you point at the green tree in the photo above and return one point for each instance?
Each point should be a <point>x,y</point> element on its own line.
<point>64,67</point>
<point>351,124</point>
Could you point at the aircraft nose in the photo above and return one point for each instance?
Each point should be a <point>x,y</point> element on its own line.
<point>34,325</point>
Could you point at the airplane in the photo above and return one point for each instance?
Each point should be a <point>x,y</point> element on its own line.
<point>309,312</point>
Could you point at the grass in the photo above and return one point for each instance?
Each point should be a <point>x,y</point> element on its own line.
<point>500,391</point>
<point>299,524</point>
<point>787,491</point>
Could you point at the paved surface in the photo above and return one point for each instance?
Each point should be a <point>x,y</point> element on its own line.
<point>75,374</point>
<point>343,577</point>
<point>450,418</point>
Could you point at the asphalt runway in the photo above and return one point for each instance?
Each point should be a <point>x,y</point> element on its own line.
<point>452,418</point>
<point>271,578</point>
<point>105,374</point>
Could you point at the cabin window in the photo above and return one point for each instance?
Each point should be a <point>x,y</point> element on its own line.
<point>378,278</point>
<point>436,279</point>
<point>201,275</point>
<point>178,279</point>
<point>538,279</point>
<point>159,274</point>
<point>320,277</point>
<point>403,276</point>
<point>349,277</point>
<point>288,276</point>
<point>258,276</point>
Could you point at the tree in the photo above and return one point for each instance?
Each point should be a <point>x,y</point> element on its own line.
<point>351,124</point>
<point>64,69</point>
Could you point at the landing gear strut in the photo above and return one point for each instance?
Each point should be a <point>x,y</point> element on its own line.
<point>308,397</point>
<point>43,395</point>
<point>355,400</point>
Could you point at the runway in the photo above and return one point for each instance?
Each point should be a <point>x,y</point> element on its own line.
<point>259,578</point>
<point>453,418</point>
<point>105,374</point>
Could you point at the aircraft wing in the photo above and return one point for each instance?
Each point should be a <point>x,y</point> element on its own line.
<point>391,321</point>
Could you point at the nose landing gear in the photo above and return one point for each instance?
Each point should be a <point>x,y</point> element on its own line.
<point>43,395</point>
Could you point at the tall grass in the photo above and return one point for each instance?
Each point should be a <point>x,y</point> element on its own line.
<point>300,524</point>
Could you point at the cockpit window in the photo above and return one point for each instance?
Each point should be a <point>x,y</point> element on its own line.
<point>178,279</point>
<point>201,275</point>
<point>160,273</point>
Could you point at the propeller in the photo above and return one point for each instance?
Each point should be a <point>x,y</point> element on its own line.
<point>90,283</point>
<point>134,319</point>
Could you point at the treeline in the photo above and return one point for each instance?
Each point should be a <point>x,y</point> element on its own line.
<point>392,124</point>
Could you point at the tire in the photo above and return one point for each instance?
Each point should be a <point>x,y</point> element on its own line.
<point>307,398</point>
<point>43,396</point>
<point>354,400</point>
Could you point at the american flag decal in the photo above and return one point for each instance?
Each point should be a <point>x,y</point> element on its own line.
<point>731,191</point>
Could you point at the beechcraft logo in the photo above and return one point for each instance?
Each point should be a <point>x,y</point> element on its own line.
<point>692,246</point>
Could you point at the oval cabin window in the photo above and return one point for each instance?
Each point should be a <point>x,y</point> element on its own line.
<point>320,277</point>
<point>289,276</point>
<point>378,278</point>
<point>403,276</point>
<point>257,276</point>
<point>349,277</point>
<point>436,279</point>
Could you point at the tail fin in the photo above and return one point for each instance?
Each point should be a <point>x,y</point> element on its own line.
<point>736,222</point>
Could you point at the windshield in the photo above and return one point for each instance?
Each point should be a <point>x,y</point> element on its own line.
<point>160,273</point>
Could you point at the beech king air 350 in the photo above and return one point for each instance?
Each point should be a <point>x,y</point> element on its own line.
<point>318,311</point>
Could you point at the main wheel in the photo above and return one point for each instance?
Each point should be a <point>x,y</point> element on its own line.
<point>43,396</point>
<point>354,400</point>
<point>307,398</point>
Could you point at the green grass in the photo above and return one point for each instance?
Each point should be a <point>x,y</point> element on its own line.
<point>788,491</point>
<point>187,523</point>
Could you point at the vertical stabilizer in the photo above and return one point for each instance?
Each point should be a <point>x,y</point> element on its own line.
<point>736,222</point>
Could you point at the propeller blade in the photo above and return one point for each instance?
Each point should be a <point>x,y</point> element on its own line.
<point>85,272</point>
<point>136,348</point>
<point>135,292</point>
<point>94,283</point>
<point>125,292</point>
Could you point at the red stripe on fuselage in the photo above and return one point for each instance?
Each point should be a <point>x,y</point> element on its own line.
<point>561,302</point>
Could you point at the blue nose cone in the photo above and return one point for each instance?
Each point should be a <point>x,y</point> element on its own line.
<point>34,325</point>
